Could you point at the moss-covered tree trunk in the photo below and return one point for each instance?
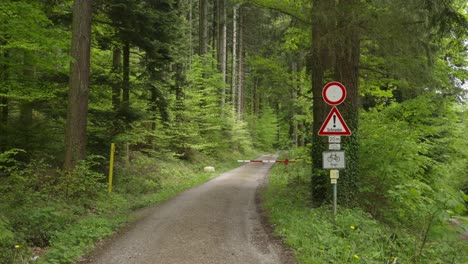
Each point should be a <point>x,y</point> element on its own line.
<point>346,72</point>
<point>335,57</point>
<point>322,62</point>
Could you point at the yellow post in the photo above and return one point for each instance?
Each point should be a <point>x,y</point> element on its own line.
<point>111,167</point>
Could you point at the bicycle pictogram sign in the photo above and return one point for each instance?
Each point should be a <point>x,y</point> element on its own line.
<point>333,160</point>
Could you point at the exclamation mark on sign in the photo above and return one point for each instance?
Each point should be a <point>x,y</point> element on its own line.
<point>334,120</point>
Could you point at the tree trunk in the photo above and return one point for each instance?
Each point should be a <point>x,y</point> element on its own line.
<point>117,85</point>
<point>222,41</point>
<point>75,132</point>
<point>153,107</point>
<point>322,61</point>
<point>126,77</point>
<point>214,27</point>
<point>341,65</point>
<point>203,27</point>
<point>234,57</point>
<point>347,72</point>
<point>190,33</point>
<point>240,88</point>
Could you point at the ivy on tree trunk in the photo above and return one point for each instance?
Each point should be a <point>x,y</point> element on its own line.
<point>335,55</point>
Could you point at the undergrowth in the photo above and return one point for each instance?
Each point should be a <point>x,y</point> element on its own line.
<point>49,216</point>
<point>355,236</point>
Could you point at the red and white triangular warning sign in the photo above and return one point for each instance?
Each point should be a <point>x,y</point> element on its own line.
<point>334,125</point>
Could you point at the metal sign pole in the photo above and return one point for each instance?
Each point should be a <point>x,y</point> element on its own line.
<point>334,198</point>
<point>334,93</point>
<point>334,175</point>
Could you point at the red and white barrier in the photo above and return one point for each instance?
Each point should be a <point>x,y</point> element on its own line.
<point>285,161</point>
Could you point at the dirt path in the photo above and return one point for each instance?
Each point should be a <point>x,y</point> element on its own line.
<point>217,222</point>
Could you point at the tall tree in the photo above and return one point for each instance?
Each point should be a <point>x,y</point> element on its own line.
<point>322,61</point>
<point>203,27</point>
<point>126,77</point>
<point>76,126</point>
<point>222,43</point>
<point>117,83</point>
<point>234,56</point>
<point>240,74</point>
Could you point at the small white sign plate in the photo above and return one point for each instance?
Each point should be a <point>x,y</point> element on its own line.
<point>333,159</point>
<point>334,139</point>
<point>334,146</point>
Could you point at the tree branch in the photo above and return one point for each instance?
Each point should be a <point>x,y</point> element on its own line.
<point>373,70</point>
<point>281,10</point>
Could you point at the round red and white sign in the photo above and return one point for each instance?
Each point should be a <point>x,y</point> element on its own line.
<point>334,93</point>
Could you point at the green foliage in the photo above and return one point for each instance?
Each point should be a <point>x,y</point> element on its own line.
<point>6,240</point>
<point>354,236</point>
<point>69,212</point>
<point>142,176</point>
<point>265,129</point>
<point>69,244</point>
<point>411,160</point>
<point>198,123</point>
<point>241,139</point>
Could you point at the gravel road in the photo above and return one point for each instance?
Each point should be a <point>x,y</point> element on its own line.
<point>217,222</point>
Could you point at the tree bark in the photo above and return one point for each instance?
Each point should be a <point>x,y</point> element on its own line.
<point>117,84</point>
<point>126,77</point>
<point>76,126</point>
<point>191,49</point>
<point>240,89</point>
<point>234,57</point>
<point>322,61</point>
<point>153,108</point>
<point>203,27</point>
<point>347,72</point>
<point>222,42</point>
<point>214,27</point>
<point>335,57</point>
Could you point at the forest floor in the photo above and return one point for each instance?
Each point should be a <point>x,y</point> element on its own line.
<point>220,221</point>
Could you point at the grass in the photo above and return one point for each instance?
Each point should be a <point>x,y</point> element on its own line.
<point>174,177</point>
<point>354,237</point>
<point>66,228</point>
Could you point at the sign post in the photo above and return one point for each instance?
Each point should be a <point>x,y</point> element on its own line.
<point>334,93</point>
<point>111,167</point>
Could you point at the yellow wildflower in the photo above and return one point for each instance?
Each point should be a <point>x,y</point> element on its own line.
<point>17,246</point>
<point>356,256</point>
<point>352,227</point>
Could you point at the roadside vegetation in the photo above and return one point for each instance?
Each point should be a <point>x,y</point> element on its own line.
<point>48,211</point>
<point>413,168</point>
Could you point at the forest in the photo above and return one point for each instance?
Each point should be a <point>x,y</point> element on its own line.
<point>181,84</point>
